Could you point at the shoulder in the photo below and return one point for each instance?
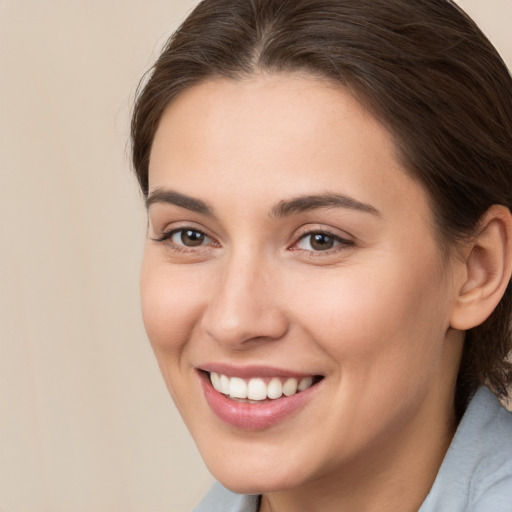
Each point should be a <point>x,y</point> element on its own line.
<point>219,499</point>
<point>476,474</point>
<point>492,481</point>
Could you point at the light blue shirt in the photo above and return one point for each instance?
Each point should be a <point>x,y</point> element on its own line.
<point>475,476</point>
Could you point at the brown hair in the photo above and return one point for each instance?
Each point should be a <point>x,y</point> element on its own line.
<point>422,67</point>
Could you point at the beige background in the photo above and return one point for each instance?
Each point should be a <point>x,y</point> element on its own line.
<point>85,420</point>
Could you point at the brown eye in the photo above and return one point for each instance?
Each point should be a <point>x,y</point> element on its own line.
<point>189,237</point>
<point>320,241</point>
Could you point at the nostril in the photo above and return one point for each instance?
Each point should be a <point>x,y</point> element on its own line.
<point>235,328</point>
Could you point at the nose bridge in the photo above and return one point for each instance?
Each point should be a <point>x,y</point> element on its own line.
<point>241,307</point>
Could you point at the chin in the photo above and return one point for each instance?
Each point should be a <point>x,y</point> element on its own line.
<point>256,475</point>
<point>255,483</point>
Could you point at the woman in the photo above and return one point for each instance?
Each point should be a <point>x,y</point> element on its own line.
<point>326,275</point>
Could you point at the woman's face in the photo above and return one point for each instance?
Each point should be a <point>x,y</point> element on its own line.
<point>288,247</point>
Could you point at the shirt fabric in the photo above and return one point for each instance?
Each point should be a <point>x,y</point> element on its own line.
<point>475,476</point>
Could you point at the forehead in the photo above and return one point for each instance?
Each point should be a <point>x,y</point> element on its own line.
<point>277,136</point>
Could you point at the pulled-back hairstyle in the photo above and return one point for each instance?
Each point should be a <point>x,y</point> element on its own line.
<point>421,67</point>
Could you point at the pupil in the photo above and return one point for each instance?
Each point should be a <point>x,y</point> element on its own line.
<point>192,238</point>
<point>321,242</point>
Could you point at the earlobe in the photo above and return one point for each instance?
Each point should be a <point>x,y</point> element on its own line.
<point>488,266</point>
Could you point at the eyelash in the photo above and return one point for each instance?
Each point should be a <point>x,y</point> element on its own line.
<point>342,243</point>
<point>167,236</point>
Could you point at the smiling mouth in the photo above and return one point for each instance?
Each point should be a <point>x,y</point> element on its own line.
<point>257,390</point>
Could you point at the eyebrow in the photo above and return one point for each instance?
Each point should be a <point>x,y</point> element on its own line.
<point>306,203</point>
<point>283,208</point>
<point>159,195</point>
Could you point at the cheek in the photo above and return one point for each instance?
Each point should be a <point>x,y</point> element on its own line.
<point>384,335</point>
<point>170,307</point>
<point>375,323</point>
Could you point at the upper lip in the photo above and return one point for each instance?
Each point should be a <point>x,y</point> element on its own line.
<point>248,371</point>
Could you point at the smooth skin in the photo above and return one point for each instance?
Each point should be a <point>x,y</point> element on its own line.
<point>358,292</point>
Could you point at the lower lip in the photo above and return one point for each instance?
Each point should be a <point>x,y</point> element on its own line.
<point>254,416</point>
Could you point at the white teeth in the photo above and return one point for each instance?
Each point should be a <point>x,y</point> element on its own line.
<point>275,388</point>
<point>237,388</point>
<point>214,377</point>
<point>305,383</point>
<point>224,385</point>
<point>256,389</point>
<point>290,387</point>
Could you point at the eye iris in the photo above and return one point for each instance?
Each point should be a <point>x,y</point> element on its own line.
<point>192,238</point>
<point>321,242</point>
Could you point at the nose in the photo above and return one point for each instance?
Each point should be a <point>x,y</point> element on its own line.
<point>244,305</point>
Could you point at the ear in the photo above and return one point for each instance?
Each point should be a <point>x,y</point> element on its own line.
<point>488,267</point>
